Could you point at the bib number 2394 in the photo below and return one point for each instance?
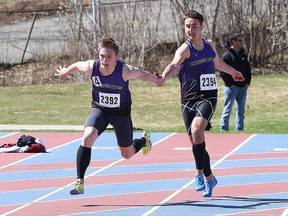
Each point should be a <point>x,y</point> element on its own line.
<point>208,82</point>
<point>109,100</point>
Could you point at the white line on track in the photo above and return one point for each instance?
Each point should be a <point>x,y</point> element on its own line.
<point>68,185</point>
<point>285,212</point>
<point>193,180</point>
<point>7,135</point>
<point>36,155</point>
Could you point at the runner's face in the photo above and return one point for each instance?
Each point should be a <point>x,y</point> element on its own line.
<point>108,59</point>
<point>193,28</point>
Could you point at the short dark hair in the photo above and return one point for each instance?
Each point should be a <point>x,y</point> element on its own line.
<point>194,15</point>
<point>109,43</point>
<point>234,37</point>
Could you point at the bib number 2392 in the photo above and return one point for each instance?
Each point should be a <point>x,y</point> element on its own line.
<point>208,82</point>
<point>109,100</point>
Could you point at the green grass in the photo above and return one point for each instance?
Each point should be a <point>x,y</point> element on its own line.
<point>154,108</point>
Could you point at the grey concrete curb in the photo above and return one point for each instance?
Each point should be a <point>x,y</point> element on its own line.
<point>5,127</point>
<point>14,127</point>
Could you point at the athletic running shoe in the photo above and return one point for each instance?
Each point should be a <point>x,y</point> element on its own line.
<point>148,145</point>
<point>77,189</point>
<point>199,180</point>
<point>209,185</point>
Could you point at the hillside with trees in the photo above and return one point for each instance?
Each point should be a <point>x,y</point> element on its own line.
<point>148,31</point>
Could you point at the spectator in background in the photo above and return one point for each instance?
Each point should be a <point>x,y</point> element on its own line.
<point>236,58</point>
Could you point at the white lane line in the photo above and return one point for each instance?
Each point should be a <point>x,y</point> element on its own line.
<point>7,135</point>
<point>193,180</point>
<point>285,212</point>
<point>68,185</point>
<point>36,155</point>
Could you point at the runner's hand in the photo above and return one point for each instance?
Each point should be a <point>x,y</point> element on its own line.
<point>238,76</point>
<point>62,72</point>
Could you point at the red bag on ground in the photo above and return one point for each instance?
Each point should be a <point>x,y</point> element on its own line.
<point>36,148</point>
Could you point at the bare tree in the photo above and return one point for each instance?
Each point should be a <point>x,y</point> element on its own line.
<point>142,26</point>
<point>215,20</point>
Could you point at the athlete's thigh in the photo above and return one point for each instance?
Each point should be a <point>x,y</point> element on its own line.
<point>206,108</point>
<point>188,113</point>
<point>123,127</point>
<point>97,119</point>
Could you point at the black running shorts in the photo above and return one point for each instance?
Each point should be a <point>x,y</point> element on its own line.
<point>122,125</point>
<point>197,108</point>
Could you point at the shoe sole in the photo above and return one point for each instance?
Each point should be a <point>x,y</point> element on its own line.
<point>147,148</point>
<point>211,190</point>
<point>73,192</point>
<point>200,189</point>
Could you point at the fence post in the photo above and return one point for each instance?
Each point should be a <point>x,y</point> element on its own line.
<point>27,42</point>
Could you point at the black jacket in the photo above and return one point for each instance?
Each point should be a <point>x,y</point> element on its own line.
<point>239,61</point>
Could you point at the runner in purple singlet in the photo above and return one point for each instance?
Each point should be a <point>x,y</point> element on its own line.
<point>194,63</point>
<point>111,104</point>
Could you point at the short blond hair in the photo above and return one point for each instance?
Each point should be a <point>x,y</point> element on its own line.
<point>109,43</point>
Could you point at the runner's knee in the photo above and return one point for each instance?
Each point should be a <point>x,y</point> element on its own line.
<point>197,135</point>
<point>127,152</point>
<point>89,137</point>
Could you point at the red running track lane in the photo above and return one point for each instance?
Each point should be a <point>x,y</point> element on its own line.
<point>138,161</point>
<point>272,212</point>
<point>49,166</point>
<point>239,191</point>
<point>121,201</point>
<point>111,179</point>
<point>159,154</point>
<point>104,203</point>
<point>50,139</point>
<point>92,204</point>
<point>107,179</point>
<point>222,192</point>
<point>164,152</point>
<point>217,145</point>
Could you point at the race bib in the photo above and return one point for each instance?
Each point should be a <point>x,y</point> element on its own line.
<point>96,81</point>
<point>109,100</point>
<point>208,82</point>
